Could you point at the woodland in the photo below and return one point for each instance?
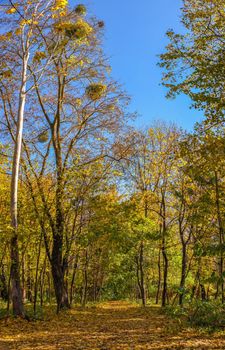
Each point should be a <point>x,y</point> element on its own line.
<point>108,233</point>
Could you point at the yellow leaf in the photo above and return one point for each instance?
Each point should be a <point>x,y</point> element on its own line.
<point>11,11</point>
<point>3,38</point>
<point>18,31</point>
<point>25,21</point>
<point>6,36</point>
<point>60,5</point>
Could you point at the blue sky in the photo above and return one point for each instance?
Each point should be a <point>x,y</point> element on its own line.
<point>134,36</point>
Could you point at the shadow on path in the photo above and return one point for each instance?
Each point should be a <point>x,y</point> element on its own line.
<point>110,326</point>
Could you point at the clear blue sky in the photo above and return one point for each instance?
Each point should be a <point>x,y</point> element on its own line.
<point>134,36</point>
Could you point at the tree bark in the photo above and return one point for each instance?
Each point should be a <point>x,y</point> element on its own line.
<point>164,253</point>
<point>58,274</point>
<point>85,281</point>
<point>36,273</point>
<point>159,278</point>
<point>16,292</point>
<point>4,289</point>
<point>221,236</point>
<point>57,264</point>
<point>142,286</point>
<point>183,273</point>
<point>140,274</point>
<point>73,278</point>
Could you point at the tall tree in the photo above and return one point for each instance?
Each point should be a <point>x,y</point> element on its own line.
<point>73,120</point>
<point>21,22</point>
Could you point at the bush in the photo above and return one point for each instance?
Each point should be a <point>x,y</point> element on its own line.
<point>207,314</point>
<point>176,311</point>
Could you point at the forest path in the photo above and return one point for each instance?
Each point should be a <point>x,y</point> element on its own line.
<point>109,326</point>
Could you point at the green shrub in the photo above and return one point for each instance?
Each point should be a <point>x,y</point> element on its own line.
<point>206,314</point>
<point>176,311</point>
<point>209,314</point>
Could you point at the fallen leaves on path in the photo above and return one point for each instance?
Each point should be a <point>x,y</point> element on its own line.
<point>109,326</point>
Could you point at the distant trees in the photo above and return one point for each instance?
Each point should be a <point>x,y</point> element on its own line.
<point>151,169</point>
<point>106,226</point>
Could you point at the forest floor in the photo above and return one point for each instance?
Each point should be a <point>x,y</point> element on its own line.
<point>108,326</point>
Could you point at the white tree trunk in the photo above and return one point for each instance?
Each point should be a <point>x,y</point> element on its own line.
<point>16,291</point>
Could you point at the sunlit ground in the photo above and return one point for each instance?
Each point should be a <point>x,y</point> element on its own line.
<point>109,326</point>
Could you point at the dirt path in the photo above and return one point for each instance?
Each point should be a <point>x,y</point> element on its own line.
<point>110,326</point>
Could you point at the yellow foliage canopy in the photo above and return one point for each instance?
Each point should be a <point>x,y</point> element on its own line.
<point>60,5</point>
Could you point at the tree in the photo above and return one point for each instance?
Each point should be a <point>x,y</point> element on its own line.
<point>73,121</point>
<point>22,21</point>
<point>151,170</point>
<point>194,61</point>
<point>204,157</point>
<point>185,194</point>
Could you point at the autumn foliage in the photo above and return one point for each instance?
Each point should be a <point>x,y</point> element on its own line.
<point>93,210</point>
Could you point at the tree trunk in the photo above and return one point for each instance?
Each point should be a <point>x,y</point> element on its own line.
<point>164,254</point>
<point>58,274</point>
<point>16,292</point>
<point>140,274</point>
<point>159,278</point>
<point>221,236</point>
<point>183,274</point>
<point>42,281</point>
<point>73,278</point>
<point>4,289</point>
<point>23,277</point>
<point>142,286</point>
<point>57,264</point>
<point>165,274</point>
<point>29,281</point>
<point>85,282</point>
<point>36,274</point>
